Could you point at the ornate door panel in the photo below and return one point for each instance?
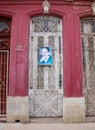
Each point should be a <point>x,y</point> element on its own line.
<point>45,81</point>
<point>4,62</point>
<point>88,45</point>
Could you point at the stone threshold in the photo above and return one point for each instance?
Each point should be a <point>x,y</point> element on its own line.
<point>90,119</point>
<point>3,119</point>
<point>46,120</point>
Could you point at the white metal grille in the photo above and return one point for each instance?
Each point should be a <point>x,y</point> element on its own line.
<point>4,58</point>
<point>45,81</point>
<point>88,47</point>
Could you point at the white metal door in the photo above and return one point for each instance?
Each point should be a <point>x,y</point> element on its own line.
<point>88,46</point>
<point>46,81</point>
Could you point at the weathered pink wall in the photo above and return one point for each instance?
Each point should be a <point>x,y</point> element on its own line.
<point>70,12</point>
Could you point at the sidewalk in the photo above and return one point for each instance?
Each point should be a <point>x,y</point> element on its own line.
<point>46,126</point>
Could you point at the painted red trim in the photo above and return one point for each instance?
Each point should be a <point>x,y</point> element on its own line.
<point>12,67</point>
<point>53,2</point>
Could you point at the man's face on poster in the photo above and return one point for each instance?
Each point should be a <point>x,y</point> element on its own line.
<point>45,52</point>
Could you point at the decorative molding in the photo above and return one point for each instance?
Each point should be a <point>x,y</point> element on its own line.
<point>46,6</point>
<point>19,48</point>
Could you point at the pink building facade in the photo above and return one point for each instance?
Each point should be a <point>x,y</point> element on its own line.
<point>23,24</point>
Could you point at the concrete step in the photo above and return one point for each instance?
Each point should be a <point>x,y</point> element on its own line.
<point>47,126</point>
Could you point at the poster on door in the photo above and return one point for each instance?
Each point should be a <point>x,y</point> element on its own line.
<point>45,56</point>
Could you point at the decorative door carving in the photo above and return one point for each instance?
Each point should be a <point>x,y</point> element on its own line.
<point>46,81</point>
<point>88,47</point>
